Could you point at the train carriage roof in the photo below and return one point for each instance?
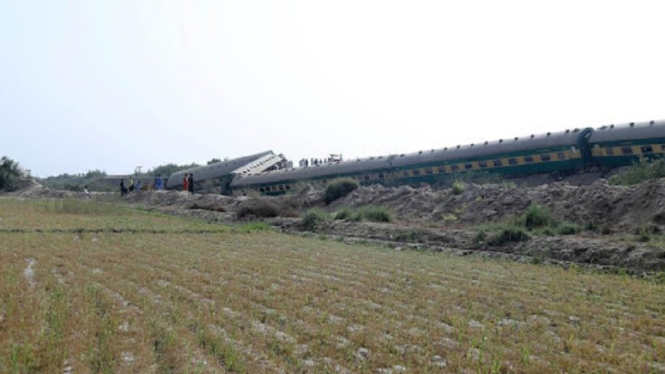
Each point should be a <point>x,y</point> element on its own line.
<point>503,146</point>
<point>628,131</point>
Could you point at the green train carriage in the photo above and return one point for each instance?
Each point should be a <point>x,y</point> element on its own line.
<point>561,151</point>
<point>621,145</point>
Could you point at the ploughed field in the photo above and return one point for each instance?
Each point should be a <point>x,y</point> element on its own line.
<point>89,287</point>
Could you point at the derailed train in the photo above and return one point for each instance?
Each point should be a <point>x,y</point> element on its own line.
<point>566,151</point>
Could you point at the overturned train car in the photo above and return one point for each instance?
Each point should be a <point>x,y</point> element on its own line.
<point>222,173</point>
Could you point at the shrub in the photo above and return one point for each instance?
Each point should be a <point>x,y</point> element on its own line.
<point>481,236</point>
<point>344,213</point>
<point>375,213</point>
<point>547,231</point>
<point>507,235</point>
<point>339,188</point>
<point>643,235</point>
<point>356,217</point>
<point>258,208</point>
<point>10,174</point>
<point>311,219</point>
<point>536,217</point>
<point>509,185</point>
<point>458,187</point>
<point>640,171</point>
<point>568,228</point>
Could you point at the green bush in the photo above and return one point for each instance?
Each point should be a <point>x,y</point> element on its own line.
<point>547,231</point>
<point>311,219</point>
<point>640,171</point>
<point>509,185</point>
<point>339,188</point>
<point>568,228</point>
<point>375,213</point>
<point>344,213</point>
<point>356,217</point>
<point>643,234</point>
<point>537,217</point>
<point>458,187</point>
<point>10,174</point>
<point>507,235</point>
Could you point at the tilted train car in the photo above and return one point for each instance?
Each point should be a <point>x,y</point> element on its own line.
<point>224,171</point>
<point>567,150</point>
<point>620,145</point>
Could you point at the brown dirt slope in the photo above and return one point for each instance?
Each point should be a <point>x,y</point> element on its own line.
<point>624,209</point>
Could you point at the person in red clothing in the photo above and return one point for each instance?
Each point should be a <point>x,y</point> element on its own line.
<point>185,184</point>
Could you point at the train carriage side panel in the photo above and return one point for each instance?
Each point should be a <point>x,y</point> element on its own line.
<point>532,154</point>
<point>621,145</point>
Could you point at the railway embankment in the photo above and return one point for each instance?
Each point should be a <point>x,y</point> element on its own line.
<point>606,225</point>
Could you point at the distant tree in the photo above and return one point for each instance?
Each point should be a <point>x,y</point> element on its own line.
<point>95,174</point>
<point>9,174</point>
<point>214,161</point>
<point>168,169</point>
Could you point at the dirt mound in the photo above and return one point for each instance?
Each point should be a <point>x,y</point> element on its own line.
<point>28,188</point>
<point>623,209</point>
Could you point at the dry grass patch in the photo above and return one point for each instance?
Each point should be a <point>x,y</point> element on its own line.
<point>258,301</point>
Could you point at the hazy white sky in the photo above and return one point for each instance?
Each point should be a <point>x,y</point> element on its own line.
<point>116,84</point>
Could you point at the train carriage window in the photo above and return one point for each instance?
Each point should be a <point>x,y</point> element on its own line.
<point>262,189</point>
<point>482,164</point>
<point>416,172</point>
<point>627,150</point>
<point>609,151</point>
<point>366,177</point>
<point>468,166</point>
<point>647,149</point>
<point>454,167</point>
<point>512,161</point>
<point>381,175</point>
<point>288,186</point>
<point>561,156</point>
<point>528,159</point>
<point>545,157</point>
<point>268,189</point>
<point>405,173</point>
<point>497,163</point>
<point>428,171</point>
<point>281,188</point>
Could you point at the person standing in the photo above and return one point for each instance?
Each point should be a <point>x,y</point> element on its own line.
<point>123,190</point>
<point>131,184</point>
<point>190,182</point>
<point>158,182</point>
<point>185,183</point>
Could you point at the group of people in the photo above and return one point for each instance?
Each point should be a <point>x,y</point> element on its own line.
<point>158,185</point>
<point>319,161</point>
